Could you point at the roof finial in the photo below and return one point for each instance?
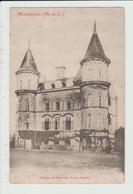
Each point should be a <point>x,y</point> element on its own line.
<point>94,30</point>
<point>29,44</point>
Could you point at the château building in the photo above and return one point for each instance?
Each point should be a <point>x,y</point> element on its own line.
<point>67,111</point>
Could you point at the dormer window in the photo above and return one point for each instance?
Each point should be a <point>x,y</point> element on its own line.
<point>53,85</point>
<point>63,84</point>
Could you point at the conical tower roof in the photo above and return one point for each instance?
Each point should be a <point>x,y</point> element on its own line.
<point>28,63</point>
<point>95,49</point>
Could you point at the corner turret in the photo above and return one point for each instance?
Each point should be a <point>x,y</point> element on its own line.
<point>28,75</point>
<point>95,63</point>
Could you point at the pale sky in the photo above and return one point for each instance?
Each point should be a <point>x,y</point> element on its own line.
<point>63,40</point>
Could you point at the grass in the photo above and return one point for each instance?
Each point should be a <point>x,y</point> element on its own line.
<point>24,163</point>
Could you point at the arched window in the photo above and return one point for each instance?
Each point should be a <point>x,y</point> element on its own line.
<point>99,121</point>
<point>47,124</point>
<point>89,121</point>
<point>57,123</point>
<point>68,123</point>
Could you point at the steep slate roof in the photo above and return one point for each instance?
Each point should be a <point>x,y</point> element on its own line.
<point>95,50</point>
<point>28,63</point>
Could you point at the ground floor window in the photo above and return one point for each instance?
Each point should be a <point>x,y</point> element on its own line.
<point>56,142</point>
<point>67,142</point>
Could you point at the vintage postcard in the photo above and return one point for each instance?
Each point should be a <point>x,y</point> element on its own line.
<point>67,87</point>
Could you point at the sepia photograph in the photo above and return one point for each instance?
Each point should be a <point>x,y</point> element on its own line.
<point>67,95</point>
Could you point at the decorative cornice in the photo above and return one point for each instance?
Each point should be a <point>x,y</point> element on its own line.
<point>25,91</point>
<point>103,83</point>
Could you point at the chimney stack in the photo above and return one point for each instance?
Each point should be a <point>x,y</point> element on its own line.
<point>60,72</point>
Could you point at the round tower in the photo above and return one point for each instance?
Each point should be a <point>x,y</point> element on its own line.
<point>28,75</point>
<point>27,84</point>
<point>95,86</point>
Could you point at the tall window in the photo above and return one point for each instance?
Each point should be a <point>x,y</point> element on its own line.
<point>47,106</point>
<point>47,124</point>
<point>27,122</point>
<point>99,99</point>
<point>90,74</point>
<point>89,121</point>
<point>29,83</point>
<point>99,121</point>
<point>100,75</point>
<point>19,103</point>
<point>68,105</point>
<point>89,99</point>
<point>20,84</point>
<point>19,123</point>
<point>57,105</point>
<point>67,141</point>
<point>57,123</point>
<point>56,142</point>
<point>68,123</point>
<point>27,103</point>
<point>109,118</point>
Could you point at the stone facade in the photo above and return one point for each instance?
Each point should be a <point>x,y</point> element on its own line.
<point>67,106</point>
